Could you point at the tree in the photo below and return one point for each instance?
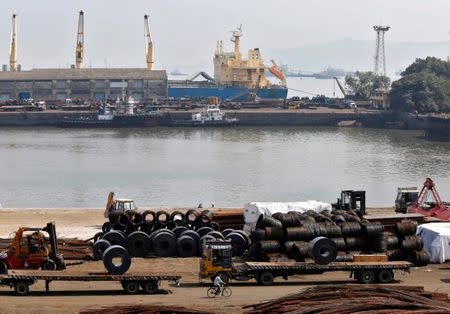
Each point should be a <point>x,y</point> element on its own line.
<point>364,84</point>
<point>424,87</point>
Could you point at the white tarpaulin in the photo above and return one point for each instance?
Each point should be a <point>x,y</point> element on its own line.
<point>436,240</point>
<point>253,210</point>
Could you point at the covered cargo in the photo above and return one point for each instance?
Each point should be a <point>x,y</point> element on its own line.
<point>436,240</point>
<point>253,210</point>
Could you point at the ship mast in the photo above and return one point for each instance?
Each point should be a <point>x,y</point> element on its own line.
<point>237,34</point>
<point>148,44</point>
<point>13,47</point>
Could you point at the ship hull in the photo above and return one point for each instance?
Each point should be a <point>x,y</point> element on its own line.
<point>226,93</point>
<point>136,121</point>
<point>213,123</point>
<point>438,128</point>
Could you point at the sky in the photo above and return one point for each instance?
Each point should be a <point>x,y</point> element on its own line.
<point>185,32</point>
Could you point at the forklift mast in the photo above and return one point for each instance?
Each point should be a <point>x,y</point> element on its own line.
<point>54,256</point>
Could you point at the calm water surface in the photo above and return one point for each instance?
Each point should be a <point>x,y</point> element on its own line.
<point>50,167</point>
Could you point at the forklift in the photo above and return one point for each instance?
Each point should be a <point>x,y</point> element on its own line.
<point>29,250</point>
<point>351,200</point>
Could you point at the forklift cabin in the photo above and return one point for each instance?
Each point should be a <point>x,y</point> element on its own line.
<point>216,260</point>
<point>352,200</point>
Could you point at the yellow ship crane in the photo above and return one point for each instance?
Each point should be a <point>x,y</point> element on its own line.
<point>277,72</point>
<point>79,50</point>
<point>340,86</point>
<point>148,44</point>
<point>13,47</point>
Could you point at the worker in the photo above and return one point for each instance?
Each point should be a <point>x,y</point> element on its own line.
<point>219,283</point>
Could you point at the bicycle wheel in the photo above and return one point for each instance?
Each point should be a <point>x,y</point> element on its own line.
<point>226,292</point>
<point>211,292</point>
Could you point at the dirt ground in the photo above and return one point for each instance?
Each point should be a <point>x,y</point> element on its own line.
<point>71,297</point>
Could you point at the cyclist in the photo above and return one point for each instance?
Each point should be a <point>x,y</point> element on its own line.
<point>219,284</point>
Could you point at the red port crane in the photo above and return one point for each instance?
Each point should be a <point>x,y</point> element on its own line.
<point>435,209</point>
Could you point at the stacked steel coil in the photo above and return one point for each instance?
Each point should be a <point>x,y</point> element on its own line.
<point>163,234</point>
<point>292,234</point>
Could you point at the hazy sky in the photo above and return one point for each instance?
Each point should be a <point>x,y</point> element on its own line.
<point>185,31</point>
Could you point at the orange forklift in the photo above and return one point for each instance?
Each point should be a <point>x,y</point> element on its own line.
<point>29,250</point>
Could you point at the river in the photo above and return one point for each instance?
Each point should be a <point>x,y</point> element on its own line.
<point>162,167</point>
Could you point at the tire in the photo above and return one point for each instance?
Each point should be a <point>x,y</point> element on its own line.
<point>204,231</point>
<point>211,292</point>
<point>366,276</point>
<point>265,278</point>
<point>227,292</point>
<point>115,237</point>
<point>322,250</point>
<point>48,265</point>
<point>21,288</point>
<point>99,248</point>
<point>385,276</point>
<point>131,287</point>
<point>138,244</point>
<point>113,252</point>
<point>3,267</point>
<point>178,230</point>
<point>186,246</point>
<point>149,286</point>
<point>164,244</point>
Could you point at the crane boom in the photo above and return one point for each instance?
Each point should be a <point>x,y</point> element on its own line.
<point>13,47</point>
<point>340,86</point>
<point>79,49</point>
<point>148,44</point>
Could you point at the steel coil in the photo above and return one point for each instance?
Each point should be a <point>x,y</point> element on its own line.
<point>113,253</point>
<point>177,218</point>
<point>406,227</point>
<point>396,255</point>
<point>115,237</point>
<point>138,244</point>
<point>333,231</point>
<point>162,218</point>
<point>392,242</point>
<point>299,234</point>
<point>419,258</point>
<point>353,243</point>
<point>186,246</point>
<point>378,243</point>
<point>191,216</point>
<point>238,243</point>
<point>268,221</point>
<point>412,243</point>
<point>274,233</point>
<point>338,219</point>
<point>370,229</point>
<point>340,243</point>
<point>99,247</point>
<point>350,229</point>
<point>164,244</point>
<point>322,250</point>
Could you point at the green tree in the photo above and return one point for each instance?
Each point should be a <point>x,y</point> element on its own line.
<point>424,86</point>
<point>364,84</point>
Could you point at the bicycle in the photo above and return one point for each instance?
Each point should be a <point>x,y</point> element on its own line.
<point>214,291</point>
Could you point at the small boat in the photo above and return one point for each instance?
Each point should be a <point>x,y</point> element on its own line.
<point>123,115</point>
<point>211,115</point>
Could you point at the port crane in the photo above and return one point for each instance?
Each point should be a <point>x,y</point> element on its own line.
<point>79,50</point>
<point>148,44</point>
<point>340,86</point>
<point>13,47</point>
<point>437,208</point>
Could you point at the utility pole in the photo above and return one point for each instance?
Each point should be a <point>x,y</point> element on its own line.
<point>380,57</point>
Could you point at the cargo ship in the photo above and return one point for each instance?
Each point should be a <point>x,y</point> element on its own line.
<point>123,114</point>
<point>235,78</point>
<point>438,128</point>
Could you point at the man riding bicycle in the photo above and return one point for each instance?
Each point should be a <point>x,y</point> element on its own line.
<point>219,284</point>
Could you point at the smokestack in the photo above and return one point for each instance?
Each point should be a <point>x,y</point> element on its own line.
<point>13,47</point>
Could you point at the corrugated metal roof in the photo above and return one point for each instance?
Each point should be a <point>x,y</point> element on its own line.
<point>83,74</point>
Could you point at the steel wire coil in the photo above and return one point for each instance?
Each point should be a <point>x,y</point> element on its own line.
<point>274,233</point>
<point>268,221</point>
<point>406,227</point>
<point>353,243</point>
<point>419,258</point>
<point>370,229</point>
<point>349,229</point>
<point>340,243</point>
<point>412,243</point>
<point>299,234</point>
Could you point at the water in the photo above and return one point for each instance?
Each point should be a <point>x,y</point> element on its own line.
<point>50,167</point>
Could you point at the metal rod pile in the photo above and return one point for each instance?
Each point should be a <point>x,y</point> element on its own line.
<point>147,309</point>
<point>357,299</point>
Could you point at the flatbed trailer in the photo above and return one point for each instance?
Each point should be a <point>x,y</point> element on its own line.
<point>365,272</point>
<point>21,280</point>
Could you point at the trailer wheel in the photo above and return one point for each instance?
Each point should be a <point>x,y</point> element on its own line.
<point>366,276</point>
<point>131,287</point>
<point>265,278</point>
<point>149,286</point>
<point>21,288</point>
<point>48,265</point>
<point>3,267</point>
<point>385,276</point>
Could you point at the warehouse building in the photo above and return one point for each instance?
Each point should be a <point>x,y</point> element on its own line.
<point>99,84</point>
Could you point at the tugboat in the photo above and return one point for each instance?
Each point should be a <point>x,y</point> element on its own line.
<point>123,115</point>
<point>209,116</point>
